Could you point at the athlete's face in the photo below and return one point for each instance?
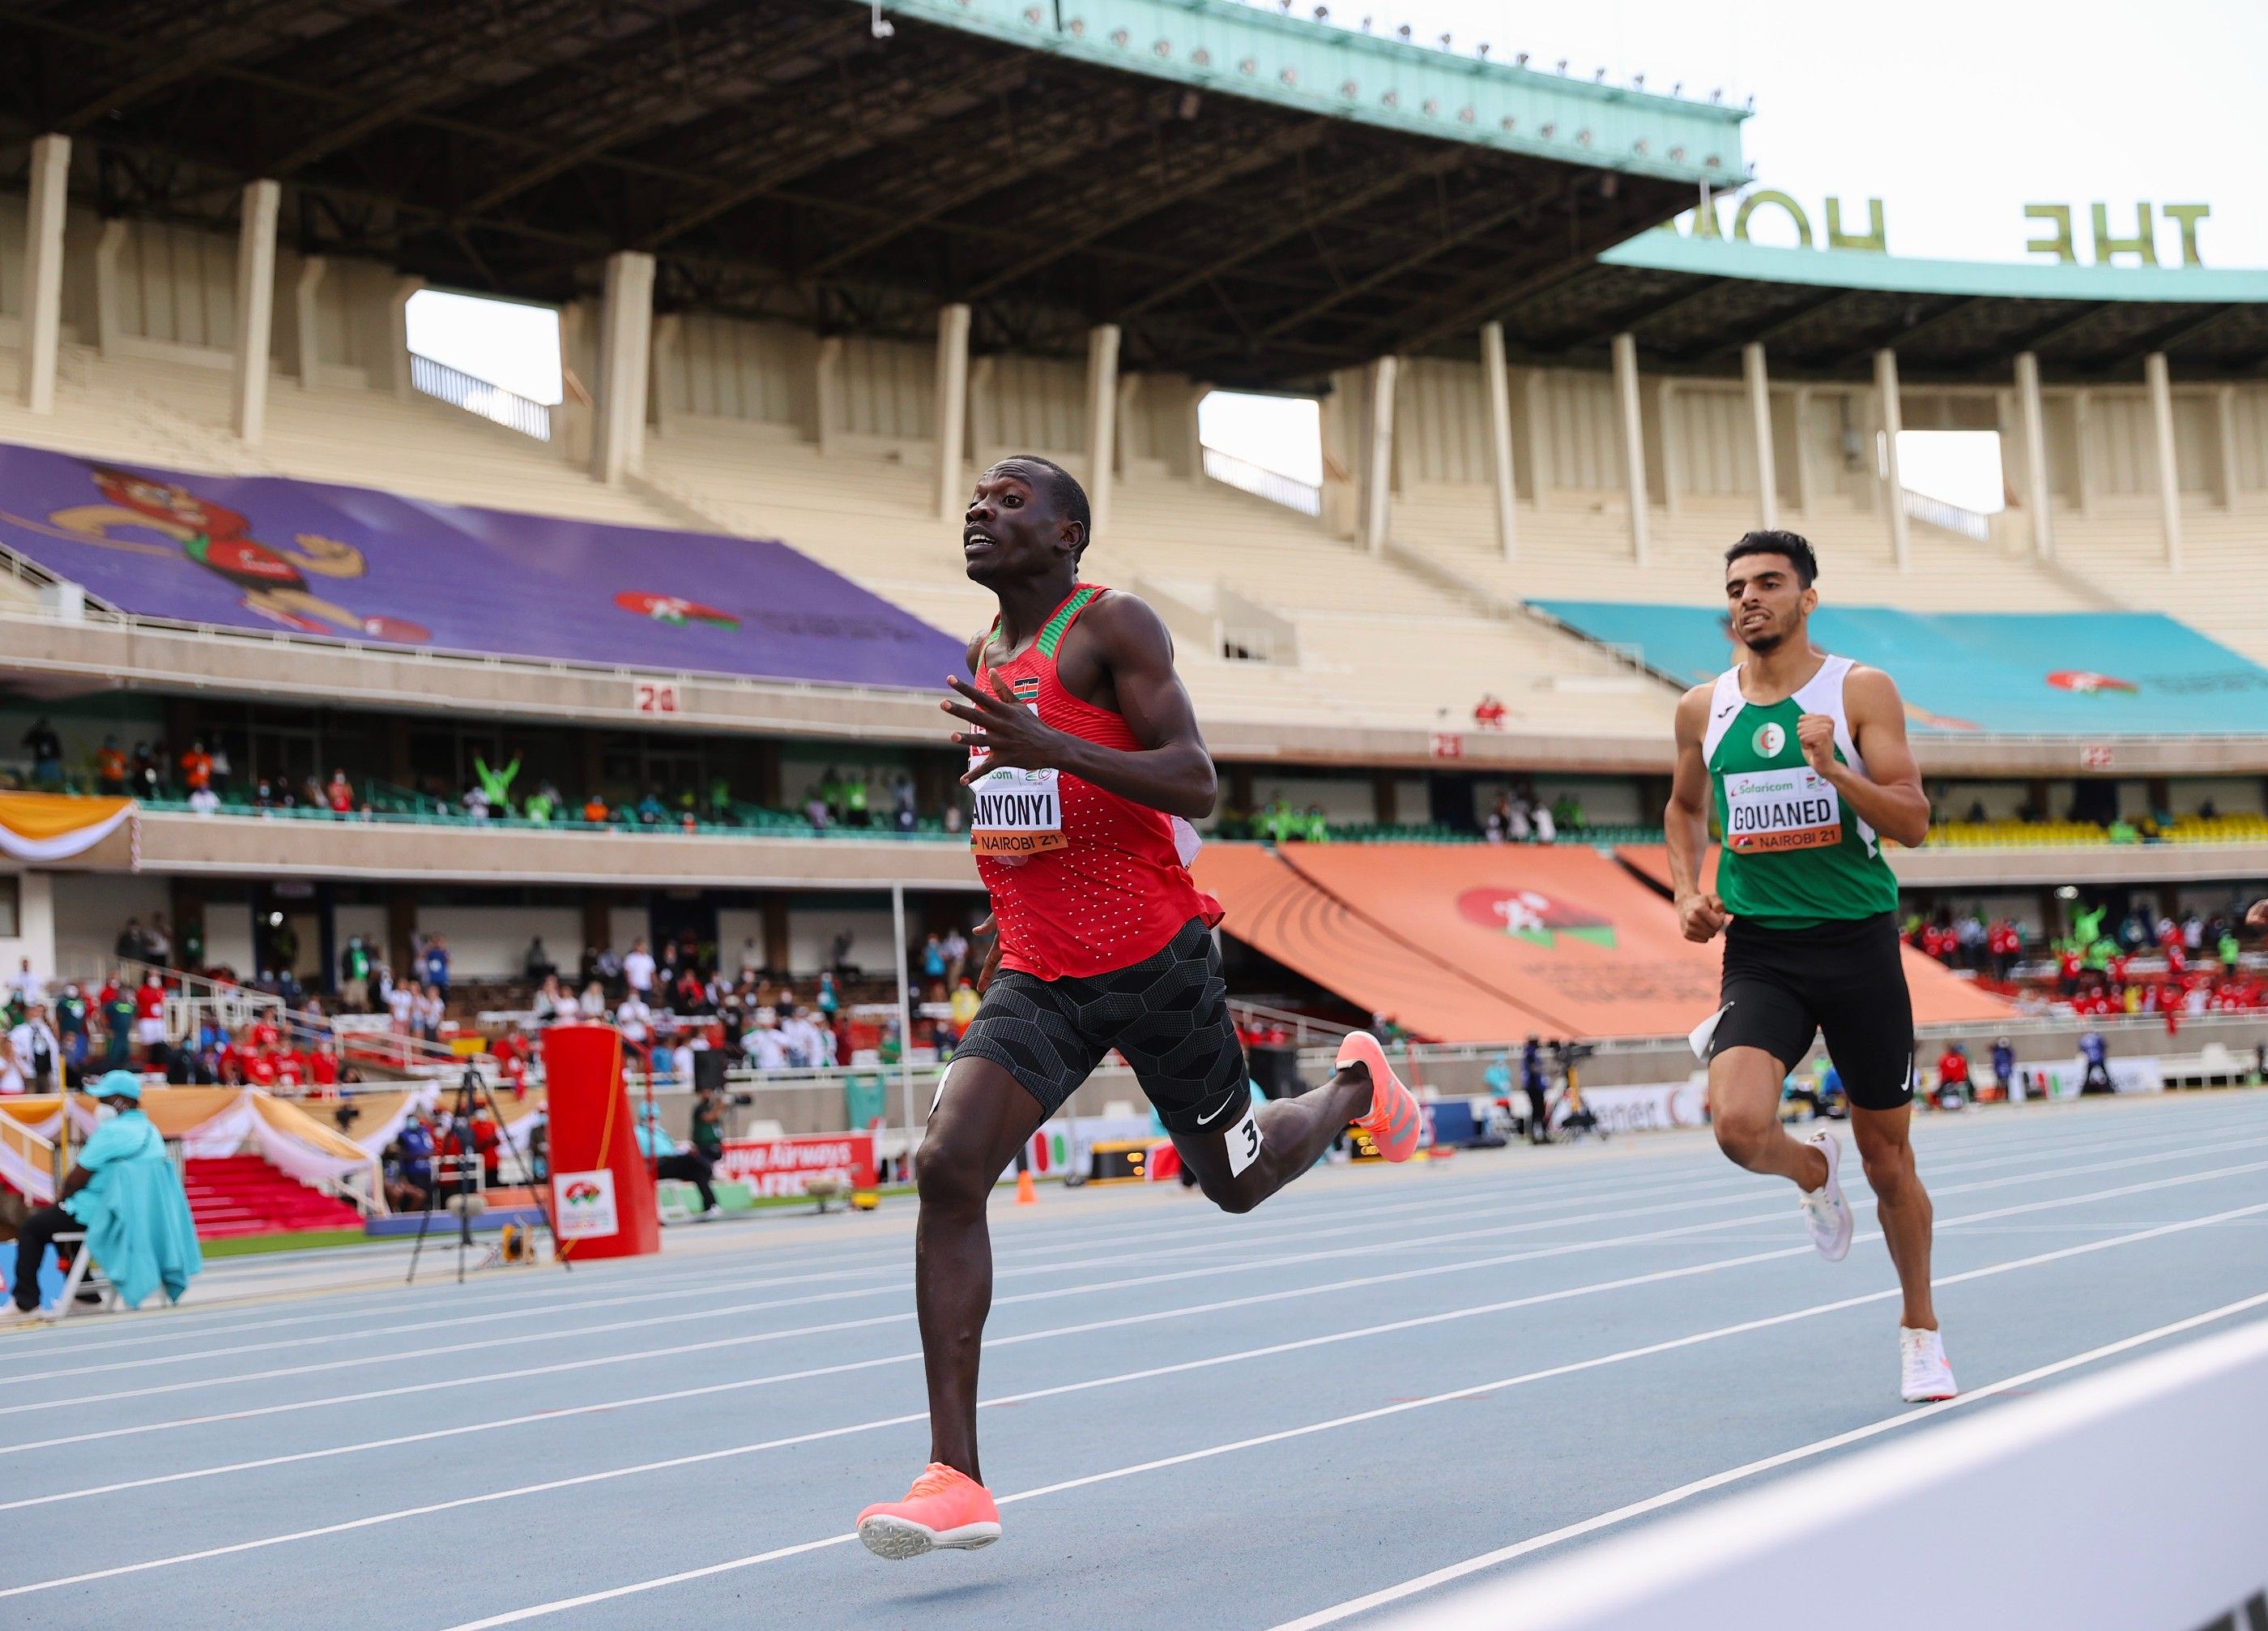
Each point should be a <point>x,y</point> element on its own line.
<point>1013,529</point>
<point>1766,602</point>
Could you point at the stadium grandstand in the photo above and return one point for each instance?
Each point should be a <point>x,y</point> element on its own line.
<point>360,717</point>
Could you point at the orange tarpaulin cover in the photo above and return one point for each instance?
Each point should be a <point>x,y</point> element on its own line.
<point>1490,943</point>
<point>1939,998</point>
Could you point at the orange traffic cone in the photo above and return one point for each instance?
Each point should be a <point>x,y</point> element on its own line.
<point>1026,1195</point>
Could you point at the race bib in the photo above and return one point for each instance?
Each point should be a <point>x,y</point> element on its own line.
<point>1793,808</point>
<point>1019,812</point>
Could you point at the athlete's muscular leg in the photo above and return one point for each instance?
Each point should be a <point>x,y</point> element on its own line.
<point>984,1115</point>
<point>1293,1134</point>
<point>1744,1085</point>
<point>1901,1204</point>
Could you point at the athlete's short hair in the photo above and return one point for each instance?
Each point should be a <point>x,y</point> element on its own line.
<point>1063,491</point>
<point>1772,541</point>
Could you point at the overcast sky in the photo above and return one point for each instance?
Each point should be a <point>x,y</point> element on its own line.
<point>1954,112</point>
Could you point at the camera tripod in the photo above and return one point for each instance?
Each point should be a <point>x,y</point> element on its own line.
<point>473,1092</point>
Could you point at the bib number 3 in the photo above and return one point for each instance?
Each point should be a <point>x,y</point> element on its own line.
<point>1243,1143</point>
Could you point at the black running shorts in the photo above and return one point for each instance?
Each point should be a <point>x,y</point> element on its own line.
<point>1167,1013</point>
<point>1785,986</point>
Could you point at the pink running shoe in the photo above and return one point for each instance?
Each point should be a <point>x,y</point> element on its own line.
<point>944,1510</point>
<point>1394,1119</point>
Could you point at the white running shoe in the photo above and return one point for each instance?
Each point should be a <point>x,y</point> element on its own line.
<point>1923,1372</point>
<point>1825,1213</point>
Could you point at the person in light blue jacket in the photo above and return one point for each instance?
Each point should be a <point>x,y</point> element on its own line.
<point>127,1197</point>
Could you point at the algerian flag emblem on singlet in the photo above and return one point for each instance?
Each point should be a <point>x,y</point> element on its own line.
<point>1769,740</point>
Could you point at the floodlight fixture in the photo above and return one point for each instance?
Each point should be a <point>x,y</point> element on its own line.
<point>882,27</point>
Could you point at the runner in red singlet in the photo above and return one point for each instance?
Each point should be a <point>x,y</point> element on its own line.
<point>1087,769</point>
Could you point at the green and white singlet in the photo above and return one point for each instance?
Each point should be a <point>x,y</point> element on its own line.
<point>1795,854</point>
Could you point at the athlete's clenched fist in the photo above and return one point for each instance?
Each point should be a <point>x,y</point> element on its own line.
<point>1701,917</point>
<point>1815,734</point>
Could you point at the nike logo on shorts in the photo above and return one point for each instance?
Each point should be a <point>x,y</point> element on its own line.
<point>1206,1121</point>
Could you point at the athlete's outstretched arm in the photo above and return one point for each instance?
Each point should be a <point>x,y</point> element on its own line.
<point>1170,771</point>
<point>1888,797</point>
<point>1685,823</point>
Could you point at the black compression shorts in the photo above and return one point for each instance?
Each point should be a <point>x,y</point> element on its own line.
<point>1785,986</point>
<point>1167,1013</point>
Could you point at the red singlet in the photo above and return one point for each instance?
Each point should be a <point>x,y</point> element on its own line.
<point>1083,881</point>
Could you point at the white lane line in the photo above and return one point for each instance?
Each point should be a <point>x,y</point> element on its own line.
<point>1008,1268</point>
<point>1767,1463</point>
<point>734,1451</point>
<point>608,1407</point>
<point>458,1384</point>
<point>563,1604</point>
<point>695,1277</point>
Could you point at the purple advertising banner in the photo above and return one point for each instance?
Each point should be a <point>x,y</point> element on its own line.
<point>374,568</point>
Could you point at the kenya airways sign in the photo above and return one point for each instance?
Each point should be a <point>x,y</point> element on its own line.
<point>786,1166</point>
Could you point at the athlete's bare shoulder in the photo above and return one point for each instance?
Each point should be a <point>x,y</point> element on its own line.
<point>1120,616</point>
<point>1693,713</point>
<point>1871,693</point>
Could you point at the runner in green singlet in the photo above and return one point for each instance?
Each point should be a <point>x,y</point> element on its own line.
<point>1801,759</point>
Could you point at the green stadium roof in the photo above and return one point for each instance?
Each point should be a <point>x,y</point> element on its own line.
<point>1692,302</point>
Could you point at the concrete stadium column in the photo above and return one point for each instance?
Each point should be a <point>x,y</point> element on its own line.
<point>397,310</point>
<point>1672,445</point>
<point>1537,400</point>
<point>1752,371</point>
<point>255,308</point>
<point>1499,403</point>
<point>1625,355</point>
<point>2082,436</point>
<point>827,386</point>
<point>1102,419</point>
<point>951,410</point>
<point>625,348</point>
<point>2224,441</point>
<point>107,248</point>
<point>1893,491</point>
<point>2032,416</point>
<point>1806,496</point>
<point>2170,469</point>
<point>1193,430</point>
<point>307,317</point>
<point>1378,457</point>
<point>662,373</point>
<point>43,270</point>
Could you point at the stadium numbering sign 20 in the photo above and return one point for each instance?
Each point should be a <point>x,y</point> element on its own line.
<point>654,696</point>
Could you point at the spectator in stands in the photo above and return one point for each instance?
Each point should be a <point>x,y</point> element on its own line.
<point>2003,1068</point>
<point>132,944</point>
<point>535,962</point>
<point>204,801</point>
<point>552,1003</point>
<point>34,1053</point>
<point>593,1001</point>
<point>1497,824</point>
<point>651,811</point>
<point>1489,712</point>
<point>685,1166</point>
<point>142,776</point>
<point>340,795</point>
<point>110,768</point>
<point>150,1017</point>
<point>816,811</point>
<point>1567,813</point>
<point>964,1006</point>
<point>594,810</point>
<point>197,769</point>
<point>951,818</point>
<point>930,960</point>
<point>903,794</point>
<point>127,1197</point>
<point>72,1022</point>
<point>46,750</point>
<point>119,1010</point>
<point>159,941</point>
<point>542,804</point>
<point>496,785</point>
<point>433,1008</point>
<point>434,963</point>
<point>765,1048</point>
<point>638,970</point>
<point>708,1125</point>
<point>1545,824</point>
<point>635,1018</point>
<point>27,986</point>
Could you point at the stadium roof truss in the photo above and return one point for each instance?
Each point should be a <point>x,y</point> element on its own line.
<point>1255,198</point>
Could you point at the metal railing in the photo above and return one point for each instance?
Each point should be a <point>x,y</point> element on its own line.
<point>1948,517</point>
<point>492,401</point>
<point>1305,1029</point>
<point>1262,483</point>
